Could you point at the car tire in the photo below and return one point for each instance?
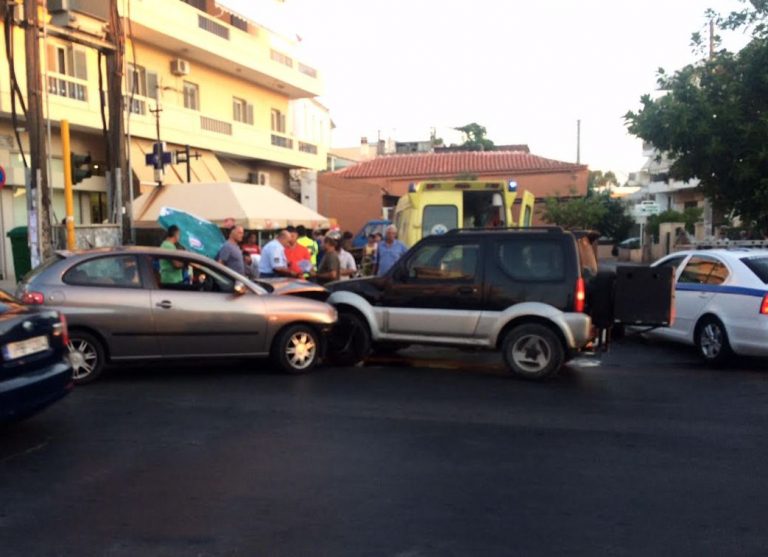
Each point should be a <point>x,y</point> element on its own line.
<point>296,349</point>
<point>350,340</point>
<point>533,351</point>
<point>712,341</point>
<point>87,356</point>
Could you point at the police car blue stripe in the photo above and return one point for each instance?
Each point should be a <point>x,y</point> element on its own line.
<point>720,289</point>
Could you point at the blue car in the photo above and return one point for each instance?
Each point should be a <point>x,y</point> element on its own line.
<point>34,369</point>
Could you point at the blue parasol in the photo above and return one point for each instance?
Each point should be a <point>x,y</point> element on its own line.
<point>197,235</point>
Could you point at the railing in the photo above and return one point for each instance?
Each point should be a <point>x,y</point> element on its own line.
<point>307,148</point>
<point>69,87</point>
<point>212,27</point>
<point>282,141</point>
<point>136,105</point>
<point>278,56</point>
<point>216,126</point>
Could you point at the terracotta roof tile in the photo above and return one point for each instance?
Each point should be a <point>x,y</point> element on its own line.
<point>452,164</point>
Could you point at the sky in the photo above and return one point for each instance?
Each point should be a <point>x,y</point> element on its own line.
<point>526,70</point>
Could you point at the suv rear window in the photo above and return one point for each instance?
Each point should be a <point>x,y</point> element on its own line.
<point>534,260</point>
<point>759,266</point>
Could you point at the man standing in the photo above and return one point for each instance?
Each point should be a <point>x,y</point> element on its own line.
<point>390,250</point>
<point>346,259</point>
<point>273,262</point>
<point>230,255</point>
<point>330,268</point>
<point>298,257</point>
<point>308,243</point>
<point>170,269</point>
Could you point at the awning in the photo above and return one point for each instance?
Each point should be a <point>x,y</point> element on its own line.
<point>205,168</point>
<point>251,206</point>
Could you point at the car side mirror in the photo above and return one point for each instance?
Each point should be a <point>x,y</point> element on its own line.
<point>240,288</point>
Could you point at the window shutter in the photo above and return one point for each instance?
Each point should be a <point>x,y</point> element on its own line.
<point>53,58</point>
<point>249,115</point>
<point>153,86</point>
<point>282,123</point>
<point>80,64</point>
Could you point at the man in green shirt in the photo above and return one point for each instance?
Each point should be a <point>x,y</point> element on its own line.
<point>170,270</point>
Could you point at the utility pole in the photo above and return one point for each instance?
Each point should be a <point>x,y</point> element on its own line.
<point>578,141</point>
<point>37,182</point>
<point>121,177</point>
<point>711,38</point>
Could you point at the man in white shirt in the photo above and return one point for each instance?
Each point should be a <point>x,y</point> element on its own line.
<point>273,262</point>
<point>346,259</point>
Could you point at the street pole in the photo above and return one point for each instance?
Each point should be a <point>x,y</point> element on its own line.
<point>578,141</point>
<point>37,186</point>
<point>69,204</point>
<point>121,181</point>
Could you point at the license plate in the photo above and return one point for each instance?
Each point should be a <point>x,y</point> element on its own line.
<point>15,350</point>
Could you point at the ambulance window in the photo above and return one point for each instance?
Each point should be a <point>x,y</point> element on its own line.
<point>439,219</point>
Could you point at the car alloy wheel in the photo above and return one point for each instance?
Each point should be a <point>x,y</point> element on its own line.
<point>296,349</point>
<point>712,341</point>
<point>531,353</point>
<point>300,350</point>
<point>86,356</point>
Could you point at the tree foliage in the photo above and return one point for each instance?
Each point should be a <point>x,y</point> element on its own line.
<point>712,120</point>
<point>595,212</point>
<point>600,179</point>
<point>476,139</point>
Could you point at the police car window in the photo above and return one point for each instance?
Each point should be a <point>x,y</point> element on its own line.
<point>443,262</point>
<point>527,260</point>
<point>673,262</point>
<point>759,266</point>
<point>439,219</point>
<point>703,270</point>
<point>115,271</point>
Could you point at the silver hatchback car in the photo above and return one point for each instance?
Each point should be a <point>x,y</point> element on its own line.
<point>142,303</point>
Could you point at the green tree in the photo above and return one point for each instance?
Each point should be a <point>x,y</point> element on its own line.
<point>600,179</point>
<point>596,212</point>
<point>712,120</point>
<point>476,139</point>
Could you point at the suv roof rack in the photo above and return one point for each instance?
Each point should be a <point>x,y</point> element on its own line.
<point>552,229</point>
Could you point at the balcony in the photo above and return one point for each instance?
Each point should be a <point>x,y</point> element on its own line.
<point>68,87</point>
<point>177,27</point>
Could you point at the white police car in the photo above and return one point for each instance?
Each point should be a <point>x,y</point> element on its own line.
<point>721,302</point>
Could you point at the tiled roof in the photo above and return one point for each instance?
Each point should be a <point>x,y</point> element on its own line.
<point>452,164</point>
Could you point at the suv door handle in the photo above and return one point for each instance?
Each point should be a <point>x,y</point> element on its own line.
<point>165,304</point>
<point>467,290</point>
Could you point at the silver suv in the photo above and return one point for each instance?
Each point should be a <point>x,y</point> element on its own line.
<point>519,291</point>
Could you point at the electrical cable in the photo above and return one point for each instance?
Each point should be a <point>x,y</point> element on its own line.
<point>8,30</point>
<point>103,110</point>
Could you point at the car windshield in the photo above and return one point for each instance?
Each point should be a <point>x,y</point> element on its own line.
<point>759,266</point>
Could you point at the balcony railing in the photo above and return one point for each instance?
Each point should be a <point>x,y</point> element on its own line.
<point>307,70</point>
<point>282,141</point>
<point>216,126</point>
<point>212,27</point>
<point>69,87</point>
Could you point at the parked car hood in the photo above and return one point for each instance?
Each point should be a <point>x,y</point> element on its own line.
<point>284,286</point>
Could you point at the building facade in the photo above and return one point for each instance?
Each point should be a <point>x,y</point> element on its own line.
<point>233,90</point>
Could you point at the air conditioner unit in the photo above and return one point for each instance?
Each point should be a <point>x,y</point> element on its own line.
<point>179,67</point>
<point>259,178</point>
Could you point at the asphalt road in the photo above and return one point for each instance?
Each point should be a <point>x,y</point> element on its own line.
<point>640,453</point>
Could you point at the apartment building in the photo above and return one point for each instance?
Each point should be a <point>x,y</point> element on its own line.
<point>232,89</point>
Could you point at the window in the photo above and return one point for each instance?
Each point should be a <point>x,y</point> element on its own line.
<point>673,262</point>
<point>532,260</point>
<point>196,277</point>
<point>191,96</point>
<point>444,262</point>
<point>703,270</point>
<point>98,204</point>
<point>284,59</point>
<point>71,65</point>
<point>278,121</point>
<point>759,266</point>
<point>439,219</point>
<point>115,271</point>
<point>242,111</point>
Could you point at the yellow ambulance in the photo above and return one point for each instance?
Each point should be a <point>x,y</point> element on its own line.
<point>435,207</point>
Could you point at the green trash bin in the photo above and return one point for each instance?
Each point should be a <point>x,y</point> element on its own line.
<point>22,262</point>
